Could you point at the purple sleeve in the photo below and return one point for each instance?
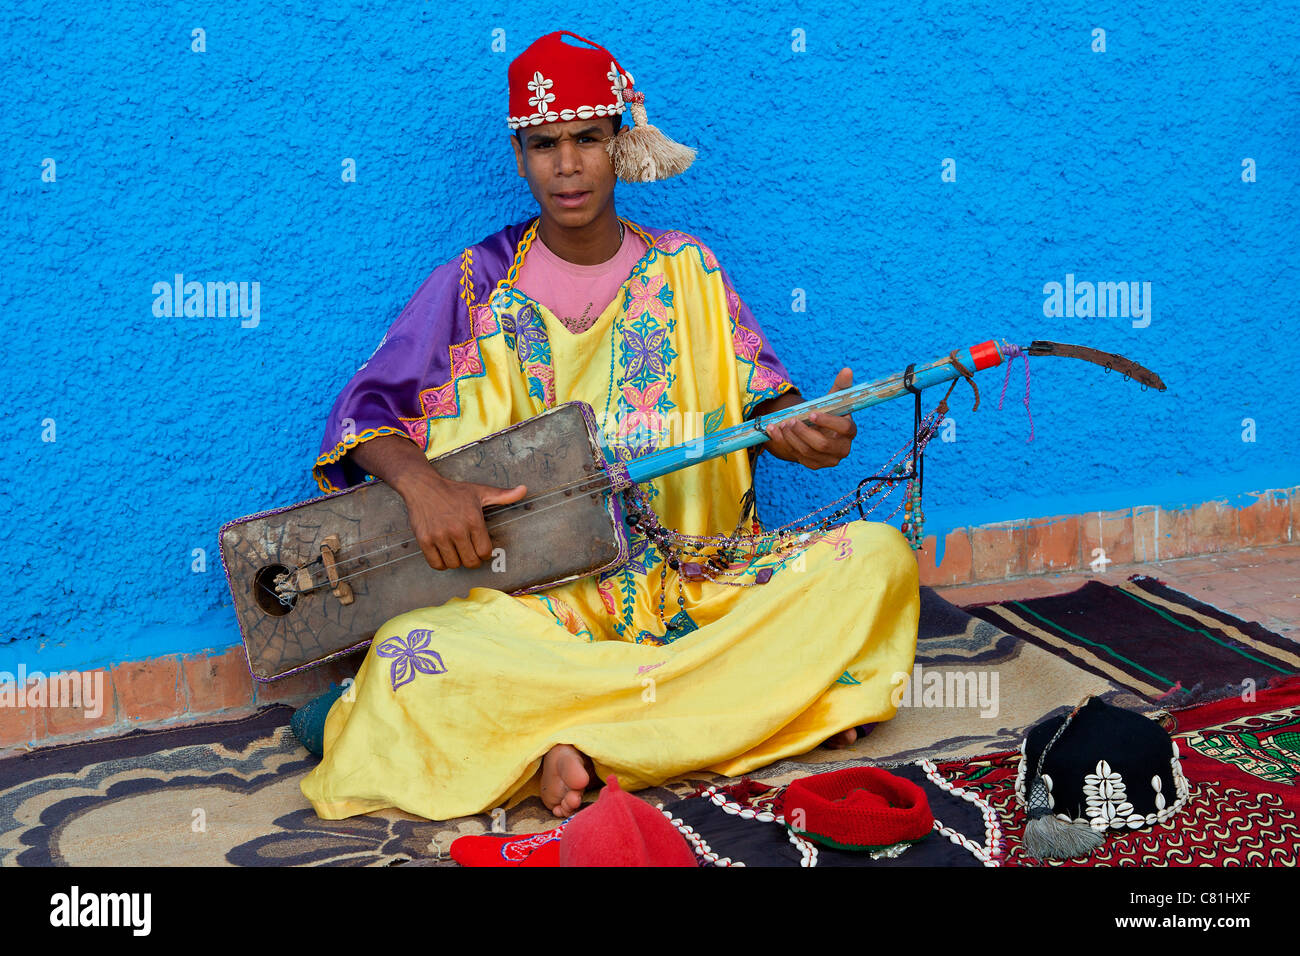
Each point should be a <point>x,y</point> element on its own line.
<point>384,396</point>
<point>412,377</point>
<point>762,374</point>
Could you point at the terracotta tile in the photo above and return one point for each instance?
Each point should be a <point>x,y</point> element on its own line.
<point>1267,521</point>
<point>1287,611</point>
<point>956,565</point>
<point>1019,589</point>
<point>1052,544</point>
<point>218,682</point>
<point>1198,567</point>
<point>1106,537</point>
<point>998,551</point>
<point>149,690</point>
<point>1049,584</point>
<point>1145,546</point>
<point>19,726</point>
<point>74,721</point>
<point>1160,534</point>
<point>1213,528</point>
<point>982,593</point>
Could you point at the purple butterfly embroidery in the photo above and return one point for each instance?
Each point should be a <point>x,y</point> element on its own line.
<point>411,654</point>
<point>530,334</point>
<point>644,353</point>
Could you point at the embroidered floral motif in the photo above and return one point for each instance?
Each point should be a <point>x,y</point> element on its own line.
<point>645,408</point>
<point>746,343</point>
<point>673,240</point>
<point>411,655</point>
<point>561,612</point>
<point>482,321</point>
<point>418,430</point>
<point>765,381</point>
<point>541,383</point>
<point>466,360</point>
<point>531,342</point>
<point>440,402</point>
<point>713,420</point>
<point>650,296</point>
<point>645,353</point>
<point>839,539</point>
<point>606,590</point>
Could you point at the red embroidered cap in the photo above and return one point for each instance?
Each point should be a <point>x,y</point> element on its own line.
<point>554,82</point>
<point>557,82</point>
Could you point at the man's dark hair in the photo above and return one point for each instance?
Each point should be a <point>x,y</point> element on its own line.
<point>617,118</point>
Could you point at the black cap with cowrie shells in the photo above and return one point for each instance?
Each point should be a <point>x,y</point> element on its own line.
<point>1102,767</point>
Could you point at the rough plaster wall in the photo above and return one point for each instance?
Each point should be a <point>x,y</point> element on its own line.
<point>818,170</point>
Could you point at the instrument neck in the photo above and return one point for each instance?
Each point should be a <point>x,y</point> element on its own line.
<point>844,402</point>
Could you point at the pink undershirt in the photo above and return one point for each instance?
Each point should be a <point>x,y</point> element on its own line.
<point>577,295</point>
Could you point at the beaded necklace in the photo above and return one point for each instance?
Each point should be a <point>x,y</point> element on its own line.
<point>730,556</point>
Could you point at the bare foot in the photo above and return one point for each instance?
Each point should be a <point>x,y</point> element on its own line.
<point>565,774</point>
<point>843,739</point>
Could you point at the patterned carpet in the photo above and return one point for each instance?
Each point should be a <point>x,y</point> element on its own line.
<point>227,794</point>
<point>1158,643</point>
<point>1241,762</point>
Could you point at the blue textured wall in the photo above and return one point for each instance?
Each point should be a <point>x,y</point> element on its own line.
<point>819,170</point>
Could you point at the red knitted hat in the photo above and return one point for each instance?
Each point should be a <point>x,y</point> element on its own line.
<point>620,830</point>
<point>858,808</point>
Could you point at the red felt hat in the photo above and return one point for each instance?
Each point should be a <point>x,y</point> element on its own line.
<point>554,82</point>
<point>557,82</point>
<point>620,830</point>
<point>858,808</point>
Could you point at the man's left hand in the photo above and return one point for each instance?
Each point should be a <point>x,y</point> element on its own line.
<point>822,443</point>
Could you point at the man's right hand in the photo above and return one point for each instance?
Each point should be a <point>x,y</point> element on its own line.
<point>446,516</point>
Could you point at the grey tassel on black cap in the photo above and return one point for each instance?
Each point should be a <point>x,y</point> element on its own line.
<point>1046,837</point>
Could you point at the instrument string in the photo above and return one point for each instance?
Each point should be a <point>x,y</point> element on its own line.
<point>786,529</point>
<point>586,484</point>
<point>420,554</point>
<point>595,482</point>
<point>600,479</point>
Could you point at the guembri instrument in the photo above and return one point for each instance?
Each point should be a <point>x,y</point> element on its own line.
<point>315,580</point>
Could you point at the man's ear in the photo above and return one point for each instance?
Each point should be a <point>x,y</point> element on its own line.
<point>519,155</point>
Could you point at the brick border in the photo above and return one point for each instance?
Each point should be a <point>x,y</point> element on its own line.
<point>188,689</point>
<point>1012,549</point>
<point>161,692</point>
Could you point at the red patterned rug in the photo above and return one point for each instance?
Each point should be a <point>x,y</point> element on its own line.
<point>1242,761</point>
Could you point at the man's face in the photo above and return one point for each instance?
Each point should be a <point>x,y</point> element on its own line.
<point>568,170</point>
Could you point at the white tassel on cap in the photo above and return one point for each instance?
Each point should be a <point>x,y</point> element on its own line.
<point>643,154</point>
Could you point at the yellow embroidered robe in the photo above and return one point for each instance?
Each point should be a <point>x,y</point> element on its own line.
<point>455,706</point>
